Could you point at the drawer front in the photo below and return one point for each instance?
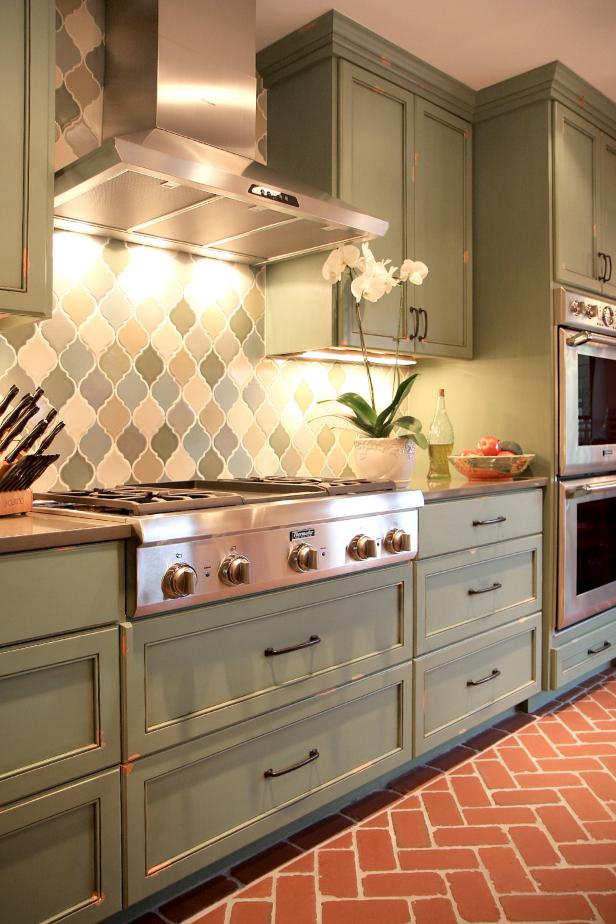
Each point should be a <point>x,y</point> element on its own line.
<point>362,624</point>
<point>59,711</point>
<point>195,803</point>
<point>462,594</point>
<point>74,588</point>
<point>462,685</point>
<point>449,526</point>
<point>583,654</point>
<point>60,854</point>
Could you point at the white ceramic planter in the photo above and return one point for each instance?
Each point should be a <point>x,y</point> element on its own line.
<point>389,459</point>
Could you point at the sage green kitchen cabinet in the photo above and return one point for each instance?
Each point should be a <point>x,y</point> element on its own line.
<point>59,711</point>
<point>584,203</point>
<point>26,180</point>
<point>375,152</point>
<point>394,139</point>
<point>60,854</point>
<point>442,174</point>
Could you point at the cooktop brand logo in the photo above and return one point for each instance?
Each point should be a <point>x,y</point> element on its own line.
<point>276,195</point>
<point>302,534</point>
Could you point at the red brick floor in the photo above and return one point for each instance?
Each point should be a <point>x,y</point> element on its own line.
<point>517,824</point>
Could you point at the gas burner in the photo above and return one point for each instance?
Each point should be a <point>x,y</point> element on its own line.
<point>138,500</point>
<point>334,485</point>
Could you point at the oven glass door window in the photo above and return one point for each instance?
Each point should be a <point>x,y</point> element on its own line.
<point>596,400</point>
<point>596,544</point>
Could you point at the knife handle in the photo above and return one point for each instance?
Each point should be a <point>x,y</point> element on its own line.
<point>30,439</point>
<point>49,439</point>
<point>4,404</point>
<point>16,429</point>
<point>15,415</point>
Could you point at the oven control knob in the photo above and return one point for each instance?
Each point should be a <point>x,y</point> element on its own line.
<point>304,558</point>
<point>362,547</point>
<point>180,580</point>
<point>576,307</point>
<point>397,540</point>
<point>234,569</point>
<point>591,311</point>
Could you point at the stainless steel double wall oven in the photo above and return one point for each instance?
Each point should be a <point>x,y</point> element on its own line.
<point>586,456</point>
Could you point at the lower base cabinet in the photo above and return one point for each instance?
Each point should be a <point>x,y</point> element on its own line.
<point>60,855</point>
<point>462,685</point>
<point>584,653</point>
<point>194,803</point>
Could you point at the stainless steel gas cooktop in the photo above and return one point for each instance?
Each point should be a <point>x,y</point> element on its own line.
<point>197,542</point>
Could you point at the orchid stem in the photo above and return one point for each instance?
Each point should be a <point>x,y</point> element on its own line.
<point>362,341</point>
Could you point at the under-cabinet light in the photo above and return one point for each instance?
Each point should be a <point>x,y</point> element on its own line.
<point>352,356</point>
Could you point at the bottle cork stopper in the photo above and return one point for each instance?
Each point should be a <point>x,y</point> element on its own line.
<point>441,392</point>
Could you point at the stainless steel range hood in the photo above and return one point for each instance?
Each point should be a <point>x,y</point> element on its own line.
<point>176,165</point>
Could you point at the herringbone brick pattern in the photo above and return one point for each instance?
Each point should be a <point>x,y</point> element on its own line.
<point>518,824</point>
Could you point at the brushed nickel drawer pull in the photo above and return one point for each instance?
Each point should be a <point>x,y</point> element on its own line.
<point>272,652</point>
<point>489,522</point>
<point>485,590</point>
<point>475,683</point>
<point>603,647</point>
<point>312,756</point>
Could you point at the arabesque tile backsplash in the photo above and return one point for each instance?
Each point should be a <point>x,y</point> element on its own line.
<point>156,360</point>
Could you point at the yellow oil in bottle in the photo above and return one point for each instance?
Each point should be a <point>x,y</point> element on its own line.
<point>439,466</point>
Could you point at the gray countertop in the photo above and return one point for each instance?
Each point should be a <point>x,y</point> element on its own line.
<point>458,486</point>
<point>29,531</point>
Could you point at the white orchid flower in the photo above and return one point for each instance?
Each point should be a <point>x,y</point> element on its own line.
<point>413,270</point>
<point>350,255</point>
<point>371,286</point>
<point>334,266</point>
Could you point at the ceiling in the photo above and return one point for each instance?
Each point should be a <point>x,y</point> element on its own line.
<point>478,41</point>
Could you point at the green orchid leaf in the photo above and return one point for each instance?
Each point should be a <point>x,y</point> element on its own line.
<point>358,405</point>
<point>409,423</point>
<point>384,418</point>
<point>354,421</point>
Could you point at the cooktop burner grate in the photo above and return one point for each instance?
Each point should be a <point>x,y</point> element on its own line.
<point>140,499</point>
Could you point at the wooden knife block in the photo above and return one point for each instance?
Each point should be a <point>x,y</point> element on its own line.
<point>12,502</point>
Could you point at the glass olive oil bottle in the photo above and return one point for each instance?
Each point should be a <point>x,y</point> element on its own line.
<point>440,440</point>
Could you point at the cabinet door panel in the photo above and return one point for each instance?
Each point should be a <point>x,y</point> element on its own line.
<point>607,228</point>
<point>375,138</point>
<point>443,199</point>
<point>26,64</point>
<point>576,182</point>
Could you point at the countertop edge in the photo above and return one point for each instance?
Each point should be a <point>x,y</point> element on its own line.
<point>450,490</point>
<point>35,532</point>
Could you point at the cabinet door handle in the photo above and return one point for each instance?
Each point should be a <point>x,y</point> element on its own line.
<point>415,316</point>
<point>312,756</point>
<point>272,652</point>
<point>423,313</point>
<point>602,277</point>
<point>485,590</point>
<point>603,647</point>
<point>489,522</point>
<point>609,270</point>
<point>476,683</point>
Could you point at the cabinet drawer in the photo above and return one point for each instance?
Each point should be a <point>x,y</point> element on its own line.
<point>454,599</point>
<point>195,803</point>
<point>59,711</point>
<point>60,854</point>
<point>364,623</point>
<point>581,655</point>
<point>448,526</point>
<point>60,590</point>
<point>452,693</point>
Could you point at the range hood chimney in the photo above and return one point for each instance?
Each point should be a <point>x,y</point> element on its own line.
<point>176,165</point>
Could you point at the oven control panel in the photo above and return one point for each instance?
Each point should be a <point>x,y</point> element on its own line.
<point>584,311</point>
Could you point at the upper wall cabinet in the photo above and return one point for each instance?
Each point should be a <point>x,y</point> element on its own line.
<point>584,204</point>
<point>368,122</point>
<point>26,180</point>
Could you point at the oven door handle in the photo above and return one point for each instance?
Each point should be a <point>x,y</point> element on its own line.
<point>591,488</point>
<point>585,337</point>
